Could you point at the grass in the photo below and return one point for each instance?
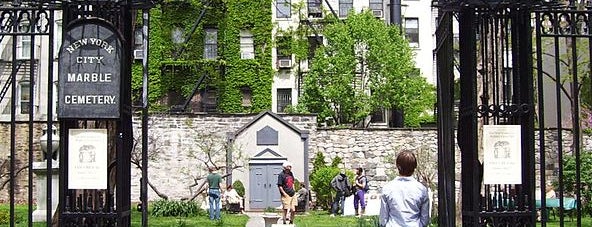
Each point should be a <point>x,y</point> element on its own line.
<point>313,219</point>
<point>230,220</point>
<point>20,213</point>
<point>322,219</point>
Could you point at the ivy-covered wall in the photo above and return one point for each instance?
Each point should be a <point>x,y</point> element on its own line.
<point>172,72</point>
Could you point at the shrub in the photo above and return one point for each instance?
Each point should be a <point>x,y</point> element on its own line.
<point>320,181</point>
<point>4,217</point>
<point>174,208</point>
<point>321,176</point>
<point>569,176</point>
<point>239,187</point>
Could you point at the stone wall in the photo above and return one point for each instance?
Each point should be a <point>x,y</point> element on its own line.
<point>178,164</point>
<point>174,166</point>
<point>21,161</point>
<point>375,149</point>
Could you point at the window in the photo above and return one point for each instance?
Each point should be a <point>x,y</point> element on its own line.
<point>378,116</point>
<point>209,100</point>
<point>284,99</point>
<point>345,6</point>
<point>177,34</point>
<point>23,47</point>
<point>138,37</point>
<point>284,47</point>
<point>25,98</point>
<point>247,48</point>
<point>283,9</point>
<point>314,9</point>
<point>58,40</point>
<point>412,31</point>
<point>210,43</point>
<point>246,96</point>
<point>375,5</point>
<point>314,42</point>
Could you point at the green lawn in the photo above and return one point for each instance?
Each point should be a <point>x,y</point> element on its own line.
<point>230,220</point>
<point>313,219</point>
<point>322,219</point>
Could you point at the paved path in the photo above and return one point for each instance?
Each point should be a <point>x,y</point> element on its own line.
<point>256,220</point>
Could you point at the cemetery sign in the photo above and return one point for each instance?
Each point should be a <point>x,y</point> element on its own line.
<point>90,71</point>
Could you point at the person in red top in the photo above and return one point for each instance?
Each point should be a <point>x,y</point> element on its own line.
<point>286,186</point>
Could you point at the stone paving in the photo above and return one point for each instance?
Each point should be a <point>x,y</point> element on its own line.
<point>256,220</point>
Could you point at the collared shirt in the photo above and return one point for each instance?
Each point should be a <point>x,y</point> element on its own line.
<point>404,202</point>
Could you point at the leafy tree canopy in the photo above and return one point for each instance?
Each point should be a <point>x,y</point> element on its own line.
<point>366,65</point>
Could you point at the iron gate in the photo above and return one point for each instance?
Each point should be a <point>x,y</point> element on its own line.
<point>29,36</point>
<point>520,63</point>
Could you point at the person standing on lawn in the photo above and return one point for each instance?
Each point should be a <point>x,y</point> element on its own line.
<point>342,186</point>
<point>404,200</point>
<point>360,191</point>
<point>214,179</point>
<point>286,186</point>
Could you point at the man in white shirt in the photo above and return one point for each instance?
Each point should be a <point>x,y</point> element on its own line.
<point>404,201</point>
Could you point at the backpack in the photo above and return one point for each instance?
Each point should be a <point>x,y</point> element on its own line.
<point>367,186</point>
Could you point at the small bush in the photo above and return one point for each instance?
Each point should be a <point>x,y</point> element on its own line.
<point>174,208</point>
<point>239,187</point>
<point>4,217</point>
<point>569,177</point>
<point>320,181</point>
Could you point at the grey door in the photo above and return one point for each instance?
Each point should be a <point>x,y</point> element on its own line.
<point>263,186</point>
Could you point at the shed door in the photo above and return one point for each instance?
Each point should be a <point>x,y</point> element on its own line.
<point>263,186</point>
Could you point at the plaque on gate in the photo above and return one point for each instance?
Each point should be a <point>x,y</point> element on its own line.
<point>90,71</point>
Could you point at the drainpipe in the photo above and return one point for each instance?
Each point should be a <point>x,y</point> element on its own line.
<point>395,6</point>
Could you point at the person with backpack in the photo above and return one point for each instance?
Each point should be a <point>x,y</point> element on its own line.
<point>360,188</point>
<point>342,185</point>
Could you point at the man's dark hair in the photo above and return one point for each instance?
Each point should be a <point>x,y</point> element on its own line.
<point>406,163</point>
<point>360,170</point>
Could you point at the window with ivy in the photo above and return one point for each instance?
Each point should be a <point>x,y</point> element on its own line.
<point>247,47</point>
<point>284,99</point>
<point>209,100</point>
<point>283,9</point>
<point>283,49</point>
<point>314,42</point>
<point>246,96</point>
<point>345,6</point>
<point>210,43</point>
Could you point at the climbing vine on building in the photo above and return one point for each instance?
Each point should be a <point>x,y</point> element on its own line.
<point>176,66</point>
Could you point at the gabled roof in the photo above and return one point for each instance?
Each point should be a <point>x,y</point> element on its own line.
<point>274,116</point>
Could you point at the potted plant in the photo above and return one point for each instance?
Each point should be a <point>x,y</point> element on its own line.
<point>270,216</point>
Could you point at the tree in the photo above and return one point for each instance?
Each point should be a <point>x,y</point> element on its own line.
<point>366,66</point>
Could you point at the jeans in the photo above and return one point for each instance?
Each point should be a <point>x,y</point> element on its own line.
<point>338,203</point>
<point>214,199</point>
<point>359,199</point>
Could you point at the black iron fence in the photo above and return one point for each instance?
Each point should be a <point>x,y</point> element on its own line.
<point>30,37</point>
<point>522,64</point>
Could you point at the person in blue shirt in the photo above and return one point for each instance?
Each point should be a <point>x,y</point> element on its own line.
<point>404,200</point>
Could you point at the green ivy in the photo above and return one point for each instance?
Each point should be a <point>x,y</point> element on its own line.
<point>173,72</point>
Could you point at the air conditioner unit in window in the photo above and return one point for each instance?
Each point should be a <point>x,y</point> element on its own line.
<point>247,55</point>
<point>285,63</point>
<point>138,54</point>
<point>377,13</point>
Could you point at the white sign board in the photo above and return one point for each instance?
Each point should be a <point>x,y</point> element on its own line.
<point>87,159</point>
<point>502,156</point>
